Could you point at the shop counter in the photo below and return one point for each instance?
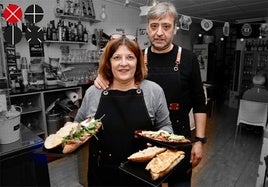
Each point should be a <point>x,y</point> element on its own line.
<point>21,162</point>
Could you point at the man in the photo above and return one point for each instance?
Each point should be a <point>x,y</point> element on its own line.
<point>177,71</point>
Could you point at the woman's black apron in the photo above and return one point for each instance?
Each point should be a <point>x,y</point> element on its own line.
<point>125,112</point>
<point>169,78</point>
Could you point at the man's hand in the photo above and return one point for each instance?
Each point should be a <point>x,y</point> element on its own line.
<point>196,153</point>
<point>100,83</point>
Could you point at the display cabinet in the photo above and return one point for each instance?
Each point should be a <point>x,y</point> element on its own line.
<point>252,62</point>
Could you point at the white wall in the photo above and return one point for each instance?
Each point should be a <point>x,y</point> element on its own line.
<point>119,16</point>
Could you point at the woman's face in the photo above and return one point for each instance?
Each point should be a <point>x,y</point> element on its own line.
<point>123,63</point>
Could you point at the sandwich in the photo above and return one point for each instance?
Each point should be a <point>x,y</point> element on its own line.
<point>162,136</point>
<point>72,135</point>
<point>146,154</point>
<point>164,162</point>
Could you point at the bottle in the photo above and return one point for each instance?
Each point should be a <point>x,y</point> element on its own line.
<point>54,31</point>
<point>71,8</point>
<point>49,32</point>
<point>80,31</point>
<point>24,71</point>
<point>58,8</point>
<point>85,37</point>
<point>17,83</point>
<point>60,31</point>
<point>44,33</point>
<point>66,31</point>
<point>66,8</point>
<point>75,33</point>
<point>84,9</point>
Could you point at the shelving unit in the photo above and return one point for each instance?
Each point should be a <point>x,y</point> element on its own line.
<point>34,105</point>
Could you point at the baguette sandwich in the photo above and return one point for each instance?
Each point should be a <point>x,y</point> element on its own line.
<point>164,162</point>
<point>162,136</point>
<point>146,154</point>
<point>73,135</point>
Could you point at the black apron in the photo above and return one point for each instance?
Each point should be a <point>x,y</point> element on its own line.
<point>125,112</point>
<point>179,118</point>
<point>173,92</point>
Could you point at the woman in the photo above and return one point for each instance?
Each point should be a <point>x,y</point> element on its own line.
<point>129,104</point>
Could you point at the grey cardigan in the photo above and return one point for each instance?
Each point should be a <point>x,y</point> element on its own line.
<point>154,98</point>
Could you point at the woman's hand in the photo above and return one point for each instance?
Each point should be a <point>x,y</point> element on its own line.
<point>101,83</point>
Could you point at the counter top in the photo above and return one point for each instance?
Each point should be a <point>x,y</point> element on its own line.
<point>28,141</point>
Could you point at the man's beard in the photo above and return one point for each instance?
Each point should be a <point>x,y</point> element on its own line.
<point>161,47</point>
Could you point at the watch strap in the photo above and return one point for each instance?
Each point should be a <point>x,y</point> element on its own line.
<point>202,140</point>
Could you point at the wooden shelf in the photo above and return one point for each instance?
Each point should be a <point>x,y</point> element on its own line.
<point>90,20</point>
<point>48,42</point>
<point>78,63</point>
<point>28,110</point>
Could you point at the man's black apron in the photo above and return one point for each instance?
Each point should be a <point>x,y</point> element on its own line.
<point>173,93</point>
<point>125,112</point>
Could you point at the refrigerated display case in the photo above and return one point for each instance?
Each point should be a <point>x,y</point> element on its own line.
<point>206,54</point>
<point>251,63</point>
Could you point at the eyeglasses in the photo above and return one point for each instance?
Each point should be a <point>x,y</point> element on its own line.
<point>128,36</point>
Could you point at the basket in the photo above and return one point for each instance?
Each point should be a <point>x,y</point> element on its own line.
<point>10,127</point>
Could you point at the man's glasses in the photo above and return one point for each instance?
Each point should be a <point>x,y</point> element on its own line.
<point>128,36</point>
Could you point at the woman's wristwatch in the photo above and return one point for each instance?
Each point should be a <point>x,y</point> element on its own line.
<point>202,140</point>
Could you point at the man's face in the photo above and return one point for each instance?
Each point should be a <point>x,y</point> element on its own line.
<point>161,32</point>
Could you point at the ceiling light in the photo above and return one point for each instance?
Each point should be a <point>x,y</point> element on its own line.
<point>103,14</point>
<point>126,3</point>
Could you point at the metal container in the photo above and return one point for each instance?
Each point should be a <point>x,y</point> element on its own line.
<point>10,125</point>
<point>55,120</point>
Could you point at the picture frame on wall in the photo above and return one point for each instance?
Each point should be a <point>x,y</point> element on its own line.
<point>88,8</point>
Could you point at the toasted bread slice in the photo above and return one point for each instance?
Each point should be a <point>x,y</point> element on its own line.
<point>146,154</point>
<point>164,162</point>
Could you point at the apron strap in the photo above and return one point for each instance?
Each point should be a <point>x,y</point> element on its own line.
<point>145,56</point>
<point>178,59</point>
